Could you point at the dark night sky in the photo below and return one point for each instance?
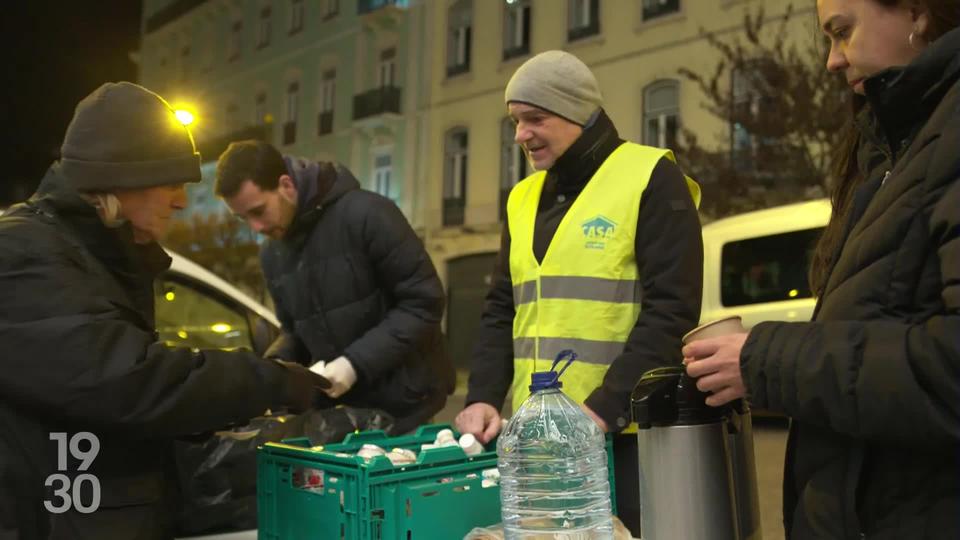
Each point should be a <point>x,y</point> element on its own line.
<point>55,53</point>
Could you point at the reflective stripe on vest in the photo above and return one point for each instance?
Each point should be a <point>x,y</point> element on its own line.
<point>585,293</point>
<point>582,288</point>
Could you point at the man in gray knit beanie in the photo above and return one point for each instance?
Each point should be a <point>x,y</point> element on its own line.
<point>557,83</point>
<point>598,209</point>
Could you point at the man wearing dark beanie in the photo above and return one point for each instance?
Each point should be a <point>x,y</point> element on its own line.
<point>81,364</point>
<point>608,232</point>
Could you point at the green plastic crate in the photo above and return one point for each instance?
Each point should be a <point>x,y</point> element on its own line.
<point>437,498</point>
<point>330,494</point>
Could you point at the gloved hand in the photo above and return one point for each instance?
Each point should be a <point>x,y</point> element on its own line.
<point>340,373</point>
<point>301,387</point>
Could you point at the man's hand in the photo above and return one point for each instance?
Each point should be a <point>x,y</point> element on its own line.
<point>593,416</point>
<point>340,373</point>
<point>480,419</point>
<point>715,364</point>
<point>301,387</point>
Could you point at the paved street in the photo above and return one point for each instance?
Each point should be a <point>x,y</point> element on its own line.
<point>770,439</point>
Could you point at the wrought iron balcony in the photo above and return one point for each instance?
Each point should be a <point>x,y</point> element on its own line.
<point>381,100</point>
<point>325,123</point>
<point>289,133</point>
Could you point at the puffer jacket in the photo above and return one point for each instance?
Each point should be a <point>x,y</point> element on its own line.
<point>351,278</point>
<point>873,383</point>
<point>78,353</point>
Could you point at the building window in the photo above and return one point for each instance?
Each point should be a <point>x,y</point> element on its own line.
<point>296,16</point>
<point>386,76</point>
<point>661,113</point>
<point>260,109</point>
<point>459,24</point>
<point>749,103</point>
<point>293,107</point>
<point>233,45</point>
<point>263,34</point>
<point>583,19</point>
<point>330,9</point>
<point>455,177</point>
<point>382,173</point>
<point>516,28</point>
<point>328,88</point>
<point>513,163</point>
<point>658,8</point>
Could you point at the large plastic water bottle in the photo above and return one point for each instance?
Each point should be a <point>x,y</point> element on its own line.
<point>553,467</point>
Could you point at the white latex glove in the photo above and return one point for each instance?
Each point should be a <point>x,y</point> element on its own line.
<point>341,375</point>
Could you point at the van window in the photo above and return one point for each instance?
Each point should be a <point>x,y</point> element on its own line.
<point>767,269</point>
<point>193,315</point>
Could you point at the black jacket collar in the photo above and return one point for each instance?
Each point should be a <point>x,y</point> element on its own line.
<point>319,184</point>
<point>577,165</point>
<point>901,99</point>
<point>114,247</point>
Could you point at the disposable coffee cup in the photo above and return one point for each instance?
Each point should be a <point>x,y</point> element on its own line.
<point>717,328</point>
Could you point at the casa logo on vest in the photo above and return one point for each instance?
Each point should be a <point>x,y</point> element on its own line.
<point>597,231</point>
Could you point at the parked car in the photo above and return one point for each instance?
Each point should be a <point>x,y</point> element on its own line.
<point>755,264</point>
<point>196,308</point>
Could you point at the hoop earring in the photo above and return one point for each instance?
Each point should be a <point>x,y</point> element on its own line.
<point>911,39</point>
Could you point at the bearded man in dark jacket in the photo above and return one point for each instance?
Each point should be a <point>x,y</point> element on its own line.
<point>81,368</point>
<point>357,295</point>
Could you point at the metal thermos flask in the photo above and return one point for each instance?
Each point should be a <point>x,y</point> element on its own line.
<point>698,478</point>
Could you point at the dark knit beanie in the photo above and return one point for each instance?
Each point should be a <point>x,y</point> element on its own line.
<point>125,136</point>
<point>559,82</point>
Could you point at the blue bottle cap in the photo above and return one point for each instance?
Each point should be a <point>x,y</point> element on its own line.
<point>543,380</point>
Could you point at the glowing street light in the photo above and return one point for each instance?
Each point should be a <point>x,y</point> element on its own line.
<point>184,116</point>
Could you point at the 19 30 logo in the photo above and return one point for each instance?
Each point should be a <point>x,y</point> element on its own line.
<point>82,491</point>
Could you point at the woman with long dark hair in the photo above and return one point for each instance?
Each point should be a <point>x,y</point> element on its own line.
<point>873,382</point>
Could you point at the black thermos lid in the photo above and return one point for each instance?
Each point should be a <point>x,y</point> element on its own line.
<point>667,396</point>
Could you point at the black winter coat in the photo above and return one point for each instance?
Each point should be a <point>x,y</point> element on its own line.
<point>873,384</point>
<point>352,278</point>
<point>78,353</point>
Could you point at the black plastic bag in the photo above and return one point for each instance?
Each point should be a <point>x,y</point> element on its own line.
<point>218,475</point>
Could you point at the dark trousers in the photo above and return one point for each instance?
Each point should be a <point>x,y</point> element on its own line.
<point>626,470</point>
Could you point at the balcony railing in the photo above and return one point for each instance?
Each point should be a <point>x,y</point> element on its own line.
<point>519,50</point>
<point>453,211</point>
<point>381,100</point>
<point>171,12</point>
<point>457,69</point>
<point>289,133</point>
<point>368,6</point>
<point>581,32</point>
<point>325,123</point>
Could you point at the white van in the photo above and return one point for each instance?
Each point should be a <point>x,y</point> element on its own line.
<point>755,264</point>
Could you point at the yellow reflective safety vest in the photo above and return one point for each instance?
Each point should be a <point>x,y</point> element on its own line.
<point>585,294</point>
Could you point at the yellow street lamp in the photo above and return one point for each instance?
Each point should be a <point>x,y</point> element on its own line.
<point>184,116</point>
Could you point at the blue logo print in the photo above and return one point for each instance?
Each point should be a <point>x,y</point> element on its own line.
<point>597,231</point>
